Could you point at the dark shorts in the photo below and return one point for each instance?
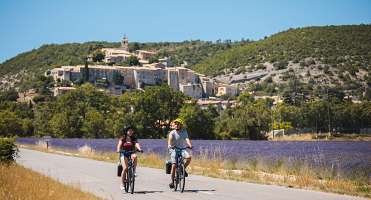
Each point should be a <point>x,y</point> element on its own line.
<point>125,154</point>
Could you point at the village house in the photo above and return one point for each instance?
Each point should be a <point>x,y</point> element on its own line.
<point>178,78</point>
<point>226,90</point>
<point>115,79</point>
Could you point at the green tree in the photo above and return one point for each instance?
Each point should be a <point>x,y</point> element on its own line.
<point>8,150</point>
<point>98,56</point>
<point>367,95</point>
<point>132,61</point>
<point>247,120</point>
<point>60,125</point>
<point>315,115</point>
<point>134,46</point>
<point>94,124</point>
<point>245,98</point>
<point>153,59</point>
<point>85,72</point>
<point>9,95</point>
<point>284,113</point>
<point>27,127</point>
<point>42,115</point>
<point>155,108</point>
<point>9,124</point>
<point>225,125</point>
<point>199,123</point>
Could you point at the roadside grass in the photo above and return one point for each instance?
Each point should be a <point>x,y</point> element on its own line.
<point>294,175</point>
<point>18,182</point>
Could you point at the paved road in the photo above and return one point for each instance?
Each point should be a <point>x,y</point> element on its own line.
<point>99,178</point>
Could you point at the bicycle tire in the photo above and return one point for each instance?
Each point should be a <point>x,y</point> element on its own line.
<point>176,179</point>
<point>126,183</point>
<point>181,178</point>
<point>132,180</point>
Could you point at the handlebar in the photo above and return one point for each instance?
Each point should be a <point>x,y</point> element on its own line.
<point>184,148</point>
<point>124,151</point>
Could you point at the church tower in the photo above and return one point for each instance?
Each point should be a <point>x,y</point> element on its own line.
<point>125,43</point>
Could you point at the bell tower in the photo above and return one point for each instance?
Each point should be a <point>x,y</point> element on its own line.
<point>125,43</point>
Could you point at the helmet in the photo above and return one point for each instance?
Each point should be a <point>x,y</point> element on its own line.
<point>180,121</point>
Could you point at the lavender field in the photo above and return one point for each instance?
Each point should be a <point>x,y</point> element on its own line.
<point>345,156</point>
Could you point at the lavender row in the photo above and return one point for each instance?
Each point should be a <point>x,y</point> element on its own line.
<point>343,155</point>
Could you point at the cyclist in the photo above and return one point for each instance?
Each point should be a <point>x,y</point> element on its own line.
<point>178,138</point>
<point>128,142</point>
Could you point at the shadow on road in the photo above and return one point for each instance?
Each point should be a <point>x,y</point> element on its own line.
<point>195,191</point>
<point>147,192</point>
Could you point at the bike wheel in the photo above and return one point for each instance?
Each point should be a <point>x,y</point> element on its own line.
<point>126,183</point>
<point>132,180</point>
<point>181,177</point>
<point>176,179</point>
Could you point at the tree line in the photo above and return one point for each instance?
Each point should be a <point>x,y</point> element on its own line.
<point>90,113</point>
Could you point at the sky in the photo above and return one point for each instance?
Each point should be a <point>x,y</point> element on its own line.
<point>28,24</point>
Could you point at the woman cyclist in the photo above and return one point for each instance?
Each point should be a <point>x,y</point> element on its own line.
<point>128,142</point>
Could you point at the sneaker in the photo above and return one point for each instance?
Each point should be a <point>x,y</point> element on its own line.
<point>185,174</point>
<point>171,185</point>
<point>135,175</point>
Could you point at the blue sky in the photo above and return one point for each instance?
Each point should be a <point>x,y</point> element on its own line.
<point>28,24</point>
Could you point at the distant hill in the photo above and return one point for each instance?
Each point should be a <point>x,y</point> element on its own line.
<point>298,59</point>
<point>348,47</point>
<point>23,67</point>
<point>49,56</point>
<point>337,55</point>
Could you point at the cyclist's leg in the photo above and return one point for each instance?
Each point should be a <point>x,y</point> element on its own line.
<point>124,163</point>
<point>187,157</point>
<point>134,158</point>
<point>172,172</point>
<point>172,157</point>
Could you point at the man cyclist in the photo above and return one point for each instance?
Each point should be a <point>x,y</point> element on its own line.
<point>128,142</point>
<point>178,137</point>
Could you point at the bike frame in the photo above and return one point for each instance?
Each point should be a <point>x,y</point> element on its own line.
<point>179,169</point>
<point>130,178</point>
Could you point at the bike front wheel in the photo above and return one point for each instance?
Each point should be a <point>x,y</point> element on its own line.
<point>176,179</point>
<point>132,180</point>
<point>181,178</point>
<point>126,183</point>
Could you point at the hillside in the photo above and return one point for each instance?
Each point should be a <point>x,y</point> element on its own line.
<point>334,45</point>
<point>20,70</point>
<point>339,56</point>
<point>297,60</point>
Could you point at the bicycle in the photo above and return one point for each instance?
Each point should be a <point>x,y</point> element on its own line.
<point>130,175</point>
<point>179,179</point>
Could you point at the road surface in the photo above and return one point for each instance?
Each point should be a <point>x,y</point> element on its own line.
<point>100,179</point>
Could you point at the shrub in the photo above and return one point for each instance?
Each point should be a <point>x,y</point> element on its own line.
<point>280,65</point>
<point>261,66</point>
<point>8,150</point>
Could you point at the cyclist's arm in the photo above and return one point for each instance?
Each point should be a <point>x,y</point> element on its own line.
<point>188,141</point>
<point>118,148</point>
<point>137,145</point>
<point>169,140</point>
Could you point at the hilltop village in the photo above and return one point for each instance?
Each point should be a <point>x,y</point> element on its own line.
<point>117,79</point>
